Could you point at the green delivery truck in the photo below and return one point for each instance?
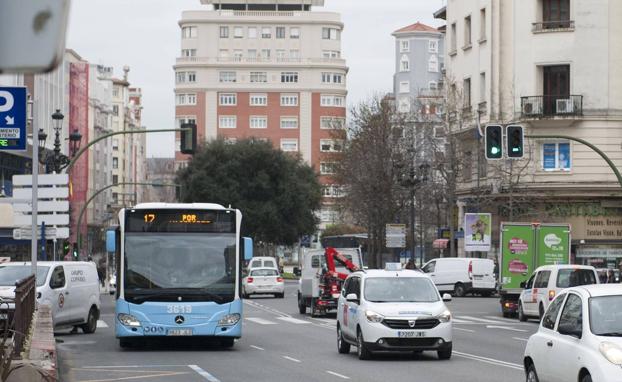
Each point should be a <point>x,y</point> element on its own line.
<point>525,247</point>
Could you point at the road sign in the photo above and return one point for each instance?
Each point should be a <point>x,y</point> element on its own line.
<point>43,180</point>
<point>26,220</point>
<point>396,235</point>
<point>50,233</point>
<point>13,118</point>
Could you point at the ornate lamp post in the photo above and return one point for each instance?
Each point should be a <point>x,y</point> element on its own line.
<point>56,161</point>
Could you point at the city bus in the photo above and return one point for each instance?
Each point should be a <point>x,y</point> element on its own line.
<point>178,270</point>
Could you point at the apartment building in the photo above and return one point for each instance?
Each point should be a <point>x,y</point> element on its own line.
<point>554,66</point>
<point>161,171</point>
<point>265,69</point>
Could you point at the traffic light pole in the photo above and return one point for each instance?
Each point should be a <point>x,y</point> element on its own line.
<point>588,144</point>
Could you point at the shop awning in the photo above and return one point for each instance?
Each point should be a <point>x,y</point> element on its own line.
<point>440,243</point>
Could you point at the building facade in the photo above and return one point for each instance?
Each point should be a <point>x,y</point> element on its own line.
<point>267,70</point>
<point>161,171</point>
<point>555,67</point>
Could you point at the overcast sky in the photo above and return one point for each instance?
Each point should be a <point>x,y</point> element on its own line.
<point>144,35</point>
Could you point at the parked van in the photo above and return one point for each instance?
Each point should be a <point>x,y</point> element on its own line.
<point>547,282</point>
<point>71,288</point>
<point>462,275</point>
<point>263,262</point>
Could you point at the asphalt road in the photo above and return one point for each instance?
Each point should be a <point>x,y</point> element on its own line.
<point>279,344</point>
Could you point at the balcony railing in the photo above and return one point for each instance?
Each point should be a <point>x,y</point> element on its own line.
<point>550,106</point>
<point>262,60</point>
<point>553,26</point>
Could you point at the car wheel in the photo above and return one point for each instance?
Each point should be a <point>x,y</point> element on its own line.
<point>532,376</point>
<point>361,350</point>
<point>281,295</point>
<point>459,290</point>
<point>342,346</point>
<point>91,321</point>
<point>445,353</point>
<point>541,311</point>
<point>302,308</point>
<point>521,313</point>
<point>227,343</point>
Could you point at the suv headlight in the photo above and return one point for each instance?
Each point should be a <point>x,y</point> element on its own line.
<point>229,319</point>
<point>128,320</point>
<point>444,317</point>
<point>612,352</point>
<point>373,316</point>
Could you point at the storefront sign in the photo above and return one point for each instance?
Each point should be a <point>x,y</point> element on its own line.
<point>606,228</point>
<point>599,252</point>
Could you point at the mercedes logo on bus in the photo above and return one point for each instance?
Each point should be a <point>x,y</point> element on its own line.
<point>179,320</point>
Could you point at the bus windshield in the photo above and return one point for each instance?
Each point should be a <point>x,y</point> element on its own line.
<point>170,266</point>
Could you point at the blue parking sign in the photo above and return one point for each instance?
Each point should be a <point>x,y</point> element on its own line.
<point>13,118</point>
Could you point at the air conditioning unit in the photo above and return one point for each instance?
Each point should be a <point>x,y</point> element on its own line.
<point>564,106</point>
<point>531,108</point>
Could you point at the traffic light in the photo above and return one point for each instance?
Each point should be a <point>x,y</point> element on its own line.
<point>515,139</point>
<point>75,252</point>
<point>494,142</point>
<point>188,143</point>
<point>65,248</point>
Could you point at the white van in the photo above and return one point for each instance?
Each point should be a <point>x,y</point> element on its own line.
<point>71,288</point>
<point>462,275</point>
<point>263,262</point>
<point>547,282</point>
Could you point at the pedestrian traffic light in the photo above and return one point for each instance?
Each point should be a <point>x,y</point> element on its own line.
<point>515,140</point>
<point>188,144</point>
<point>494,142</point>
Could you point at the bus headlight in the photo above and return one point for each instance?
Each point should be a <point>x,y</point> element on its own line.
<point>229,319</point>
<point>444,317</point>
<point>128,320</point>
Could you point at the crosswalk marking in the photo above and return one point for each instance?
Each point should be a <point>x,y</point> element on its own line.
<point>293,320</point>
<point>459,321</point>
<point>260,321</point>
<point>101,324</point>
<point>484,320</point>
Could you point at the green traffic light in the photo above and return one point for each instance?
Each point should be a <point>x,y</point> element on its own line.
<point>494,150</point>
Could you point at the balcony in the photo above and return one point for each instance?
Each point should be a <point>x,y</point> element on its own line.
<point>553,26</point>
<point>537,107</point>
<point>259,61</point>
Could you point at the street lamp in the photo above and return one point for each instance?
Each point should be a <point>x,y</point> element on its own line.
<point>56,161</point>
<point>411,182</point>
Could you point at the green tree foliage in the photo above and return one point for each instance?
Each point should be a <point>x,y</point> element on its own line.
<point>276,191</point>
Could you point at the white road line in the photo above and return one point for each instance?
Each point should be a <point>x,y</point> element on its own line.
<point>292,359</point>
<point>489,360</point>
<point>459,321</point>
<point>257,347</point>
<point>520,339</point>
<point>204,373</point>
<point>337,374</point>
<point>101,324</point>
<point>129,366</point>
<point>514,321</point>
<point>465,330</point>
<point>293,320</point>
<point>505,328</point>
<point>260,321</point>
<point>482,320</point>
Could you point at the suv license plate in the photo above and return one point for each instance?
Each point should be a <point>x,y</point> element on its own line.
<point>180,332</point>
<point>410,334</point>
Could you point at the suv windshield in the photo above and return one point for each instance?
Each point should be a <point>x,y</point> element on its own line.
<point>568,278</point>
<point>11,274</point>
<point>606,316</point>
<point>400,289</point>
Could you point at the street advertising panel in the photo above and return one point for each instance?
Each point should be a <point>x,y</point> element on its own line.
<point>517,254</point>
<point>553,244</point>
<point>478,231</point>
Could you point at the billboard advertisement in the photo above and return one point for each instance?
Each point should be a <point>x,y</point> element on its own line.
<point>553,245</point>
<point>477,232</point>
<point>517,254</point>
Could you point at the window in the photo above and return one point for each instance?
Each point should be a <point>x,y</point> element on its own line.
<point>332,100</point>
<point>228,99</point>
<point>328,215</point>
<point>115,109</point>
<point>556,157</point>
<point>556,13</point>
<point>571,319</point>
<point>189,32</point>
<point>556,87</point>
<point>115,197</point>
<point>289,77</point>
<point>227,122</point>
<point>182,120</point>
<point>252,32</point>
<point>289,99</point>
<point>332,191</point>
<point>227,77</point>
<point>466,88</point>
<point>259,77</point>
<point>542,279</point>
<point>331,54</point>
<point>403,105</point>
<point>294,32</point>
<point>405,87</point>
<point>180,77</point>
<point>332,78</point>
<point>330,146</point>
<point>330,34</point>
<point>183,77</point>
<point>327,168</point>
<point>433,64</point>
<point>404,46</point>
<point>115,179</point>
<point>115,91</point>
<point>188,52</point>
<point>482,25</point>
<point>265,54</point>
<point>280,32</point>
<point>482,87</point>
<point>289,145</point>
<point>280,55</point>
<point>266,32</point>
<point>251,54</point>
<point>404,63</point>
<point>289,122</point>
<point>467,31</point>
<point>294,54</point>
<point>550,317</point>
<point>238,54</point>
<point>223,53</point>
<point>467,168</point>
<point>224,32</point>
<point>259,122</point>
<point>568,278</point>
<point>58,278</point>
<point>433,85</point>
<point>429,268</point>
<point>453,39</point>
<point>115,163</point>
<point>238,32</point>
<point>186,99</point>
<point>332,123</point>
<point>258,100</point>
<point>433,46</point>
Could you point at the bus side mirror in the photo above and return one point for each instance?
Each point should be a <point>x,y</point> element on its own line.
<point>111,241</point>
<point>248,248</point>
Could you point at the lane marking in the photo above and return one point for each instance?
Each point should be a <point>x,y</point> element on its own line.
<point>459,321</point>
<point>505,328</point>
<point>520,339</point>
<point>257,347</point>
<point>465,330</point>
<point>292,359</point>
<point>477,319</point>
<point>76,343</point>
<point>101,324</point>
<point>143,376</point>
<point>337,374</point>
<point>260,321</point>
<point>293,320</point>
<point>204,373</point>
<point>129,366</point>
<point>491,361</point>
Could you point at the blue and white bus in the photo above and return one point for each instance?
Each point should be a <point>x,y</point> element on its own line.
<point>178,272</point>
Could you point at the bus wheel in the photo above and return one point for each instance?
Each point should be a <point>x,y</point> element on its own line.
<point>227,343</point>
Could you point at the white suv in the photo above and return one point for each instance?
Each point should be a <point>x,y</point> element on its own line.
<point>392,310</point>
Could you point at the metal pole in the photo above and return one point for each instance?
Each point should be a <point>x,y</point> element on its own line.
<point>35,189</point>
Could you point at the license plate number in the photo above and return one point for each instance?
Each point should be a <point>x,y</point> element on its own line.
<point>180,332</point>
<point>410,334</point>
